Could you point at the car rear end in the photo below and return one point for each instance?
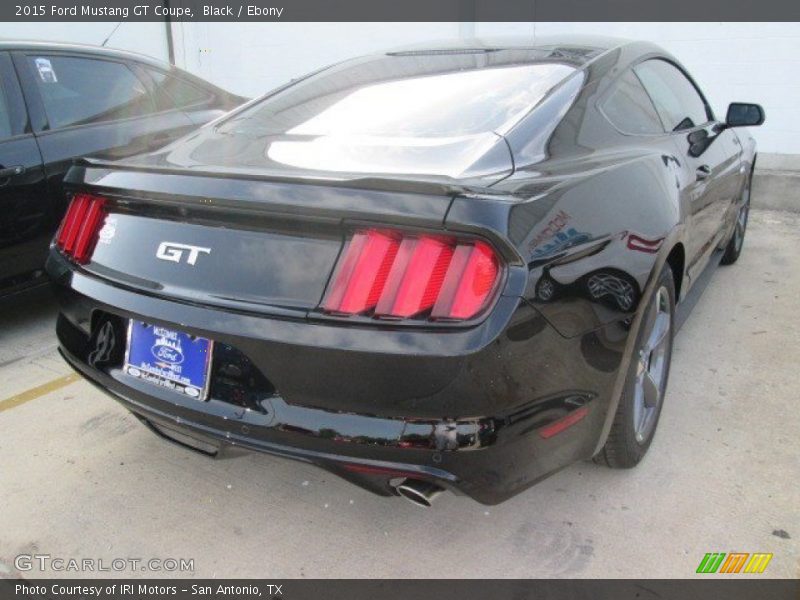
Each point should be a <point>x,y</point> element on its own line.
<point>352,328</point>
<point>327,275</point>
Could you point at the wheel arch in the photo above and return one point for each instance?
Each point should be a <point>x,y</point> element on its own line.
<point>673,254</point>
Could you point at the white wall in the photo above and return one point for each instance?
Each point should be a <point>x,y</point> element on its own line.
<point>145,38</point>
<point>757,62</point>
<point>747,62</point>
<point>252,58</point>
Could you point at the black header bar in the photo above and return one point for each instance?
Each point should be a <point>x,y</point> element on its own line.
<point>400,10</point>
<point>733,588</point>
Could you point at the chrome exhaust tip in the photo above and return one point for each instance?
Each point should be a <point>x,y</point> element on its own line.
<point>418,492</point>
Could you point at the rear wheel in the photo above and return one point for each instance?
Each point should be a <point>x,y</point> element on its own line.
<point>734,247</point>
<point>643,396</point>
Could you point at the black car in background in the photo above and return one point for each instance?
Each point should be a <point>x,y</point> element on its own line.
<point>59,102</point>
<point>443,268</point>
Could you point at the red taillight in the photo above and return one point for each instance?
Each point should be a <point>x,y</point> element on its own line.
<point>362,273</point>
<point>470,278</point>
<point>78,232</point>
<point>394,275</point>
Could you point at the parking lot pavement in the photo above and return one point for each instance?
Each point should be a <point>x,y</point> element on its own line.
<point>80,478</point>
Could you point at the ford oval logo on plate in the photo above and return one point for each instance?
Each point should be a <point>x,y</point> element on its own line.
<point>167,353</point>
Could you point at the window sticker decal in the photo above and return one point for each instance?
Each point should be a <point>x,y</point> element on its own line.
<point>45,68</point>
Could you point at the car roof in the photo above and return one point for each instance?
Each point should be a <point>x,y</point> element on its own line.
<point>82,48</point>
<point>581,48</point>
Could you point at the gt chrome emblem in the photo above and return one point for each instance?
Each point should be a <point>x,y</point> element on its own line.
<point>173,252</point>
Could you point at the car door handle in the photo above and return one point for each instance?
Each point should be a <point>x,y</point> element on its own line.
<point>8,172</point>
<point>703,172</point>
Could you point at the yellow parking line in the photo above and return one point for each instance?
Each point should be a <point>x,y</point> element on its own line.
<point>39,390</point>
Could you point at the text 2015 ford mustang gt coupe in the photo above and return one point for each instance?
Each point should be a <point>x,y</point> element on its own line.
<point>449,268</point>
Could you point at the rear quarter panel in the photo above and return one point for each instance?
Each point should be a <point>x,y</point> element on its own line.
<point>590,240</point>
<point>618,221</point>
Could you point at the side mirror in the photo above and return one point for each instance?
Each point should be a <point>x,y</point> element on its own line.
<point>699,141</point>
<point>741,114</point>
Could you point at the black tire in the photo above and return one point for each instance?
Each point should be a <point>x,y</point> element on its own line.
<point>735,244</point>
<point>627,442</point>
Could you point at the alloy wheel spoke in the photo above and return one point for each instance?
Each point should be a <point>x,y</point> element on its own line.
<point>639,409</point>
<point>649,324</point>
<point>659,332</point>
<point>650,390</point>
<point>651,363</point>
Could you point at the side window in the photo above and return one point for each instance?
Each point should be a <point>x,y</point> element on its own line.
<point>79,91</point>
<point>176,92</point>
<point>629,107</point>
<point>676,99</point>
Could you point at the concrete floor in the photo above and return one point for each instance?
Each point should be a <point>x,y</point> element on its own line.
<point>81,478</point>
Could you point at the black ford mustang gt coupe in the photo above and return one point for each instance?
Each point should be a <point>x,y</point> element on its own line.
<point>448,268</point>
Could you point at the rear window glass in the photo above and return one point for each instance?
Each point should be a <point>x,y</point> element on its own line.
<point>394,100</point>
<point>177,92</point>
<point>630,109</point>
<point>77,91</point>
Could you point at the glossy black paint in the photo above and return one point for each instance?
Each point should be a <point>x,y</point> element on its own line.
<point>584,219</point>
<point>35,157</point>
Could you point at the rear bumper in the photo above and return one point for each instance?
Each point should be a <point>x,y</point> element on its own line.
<point>218,437</point>
<point>472,410</point>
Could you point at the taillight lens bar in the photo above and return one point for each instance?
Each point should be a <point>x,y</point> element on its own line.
<point>79,229</point>
<point>398,275</point>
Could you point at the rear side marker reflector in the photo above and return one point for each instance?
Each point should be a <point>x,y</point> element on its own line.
<point>395,275</point>
<point>563,423</point>
<point>641,244</point>
<point>78,232</point>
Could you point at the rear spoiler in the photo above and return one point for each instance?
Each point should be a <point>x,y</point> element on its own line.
<point>393,201</point>
<point>409,185</point>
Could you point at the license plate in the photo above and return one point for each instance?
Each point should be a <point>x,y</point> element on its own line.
<point>170,359</point>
